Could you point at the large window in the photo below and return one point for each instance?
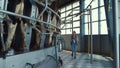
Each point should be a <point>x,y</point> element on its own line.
<point>71,19</point>
<point>95,15</point>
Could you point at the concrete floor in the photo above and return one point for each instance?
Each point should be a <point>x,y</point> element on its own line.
<point>83,61</point>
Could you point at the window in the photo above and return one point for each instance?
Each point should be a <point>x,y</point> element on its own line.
<point>103,16</point>
<point>87,17</point>
<point>69,31</point>
<point>94,3</point>
<point>87,2</point>
<point>95,28</point>
<point>95,18</point>
<point>104,27</point>
<point>95,15</point>
<point>102,2</point>
<point>62,32</point>
<point>86,29</point>
<point>68,18</point>
<point>76,10</point>
<point>63,9</point>
<point>68,25</point>
<point>76,4</point>
<point>76,19</point>
<point>76,24</point>
<point>77,30</point>
<point>68,7</point>
<point>62,15</point>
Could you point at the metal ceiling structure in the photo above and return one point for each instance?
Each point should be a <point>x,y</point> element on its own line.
<point>63,3</point>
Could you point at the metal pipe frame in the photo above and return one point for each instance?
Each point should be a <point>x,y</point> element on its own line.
<point>91,36</point>
<point>37,1</point>
<point>117,27</point>
<point>46,3</point>
<point>99,18</point>
<point>99,25</point>
<point>1,34</point>
<point>73,17</point>
<point>85,10</point>
<point>26,17</point>
<point>3,7</point>
<point>65,21</point>
<point>88,17</point>
<point>82,25</point>
<point>70,9</point>
<point>70,28</point>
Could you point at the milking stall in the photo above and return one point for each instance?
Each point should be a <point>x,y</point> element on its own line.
<point>42,33</point>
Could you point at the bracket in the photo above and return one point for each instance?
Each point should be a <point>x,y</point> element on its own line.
<point>29,28</point>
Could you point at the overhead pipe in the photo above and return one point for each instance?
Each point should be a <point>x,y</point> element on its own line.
<point>46,5</point>
<point>26,17</point>
<point>37,1</point>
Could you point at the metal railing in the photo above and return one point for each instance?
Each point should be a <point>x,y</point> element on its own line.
<point>34,19</point>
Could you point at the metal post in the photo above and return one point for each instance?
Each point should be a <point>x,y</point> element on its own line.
<point>3,6</point>
<point>65,20</point>
<point>29,28</point>
<point>56,47</point>
<point>91,36</point>
<point>37,1</point>
<point>99,25</point>
<point>46,4</point>
<point>1,34</point>
<point>88,31</point>
<point>72,17</point>
<point>99,18</point>
<point>117,32</point>
<point>82,25</point>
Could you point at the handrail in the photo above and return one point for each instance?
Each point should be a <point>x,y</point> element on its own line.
<point>26,17</point>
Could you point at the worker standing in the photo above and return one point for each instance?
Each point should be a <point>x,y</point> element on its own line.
<point>74,44</point>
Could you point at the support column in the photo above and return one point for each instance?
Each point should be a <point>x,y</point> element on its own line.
<point>82,25</point>
<point>99,27</point>
<point>116,5</point>
<point>65,21</point>
<point>109,19</point>
<point>91,36</point>
<point>72,17</point>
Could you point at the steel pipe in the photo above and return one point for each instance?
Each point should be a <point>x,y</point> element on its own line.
<point>26,17</point>
<point>46,3</point>
<point>1,34</point>
<point>91,36</point>
<point>117,32</point>
<point>37,1</point>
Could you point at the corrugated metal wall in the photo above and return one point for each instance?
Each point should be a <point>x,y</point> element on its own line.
<point>104,48</point>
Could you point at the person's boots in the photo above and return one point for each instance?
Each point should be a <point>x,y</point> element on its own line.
<point>72,54</point>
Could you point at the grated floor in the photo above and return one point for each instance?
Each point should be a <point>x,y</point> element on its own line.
<point>83,61</point>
